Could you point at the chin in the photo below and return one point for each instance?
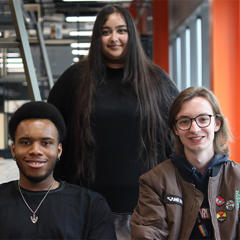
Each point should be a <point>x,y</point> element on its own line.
<point>115,58</point>
<point>38,178</point>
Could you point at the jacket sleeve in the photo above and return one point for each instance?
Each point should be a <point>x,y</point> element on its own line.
<point>149,217</point>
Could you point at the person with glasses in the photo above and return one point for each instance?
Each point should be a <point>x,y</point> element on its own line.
<point>195,194</point>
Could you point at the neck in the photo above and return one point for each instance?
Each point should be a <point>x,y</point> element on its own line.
<point>38,186</point>
<point>199,160</point>
<point>115,65</point>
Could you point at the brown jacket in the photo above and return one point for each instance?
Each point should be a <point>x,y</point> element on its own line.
<point>156,217</point>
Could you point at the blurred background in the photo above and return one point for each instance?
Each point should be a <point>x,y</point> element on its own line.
<point>195,41</point>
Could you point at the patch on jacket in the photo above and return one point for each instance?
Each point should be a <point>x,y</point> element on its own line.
<point>173,199</point>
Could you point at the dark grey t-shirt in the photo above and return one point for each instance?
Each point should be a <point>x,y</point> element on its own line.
<point>68,212</point>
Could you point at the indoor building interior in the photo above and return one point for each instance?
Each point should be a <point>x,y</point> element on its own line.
<point>195,41</point>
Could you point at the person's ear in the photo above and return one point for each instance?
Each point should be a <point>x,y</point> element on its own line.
<point>176,131</point>
<point>218,124</point>
<point>13,150</point>
<point>59,150</point>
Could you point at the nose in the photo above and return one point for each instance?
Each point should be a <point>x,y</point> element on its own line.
<point>114,36</point>
<point>35,149</point>
<point>194,126</point>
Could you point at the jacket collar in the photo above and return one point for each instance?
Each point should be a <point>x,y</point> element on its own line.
<point>192,175</point>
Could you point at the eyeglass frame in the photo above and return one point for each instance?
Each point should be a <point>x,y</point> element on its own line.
<point>191,119</point>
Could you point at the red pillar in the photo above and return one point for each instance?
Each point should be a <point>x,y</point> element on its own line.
<point>225,64</point>
<point>133,9</point>
<point>160,33</point>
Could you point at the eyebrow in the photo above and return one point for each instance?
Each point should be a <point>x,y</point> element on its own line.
<point>27,138</point>
<point>119,26</point>
<point>201,114</point>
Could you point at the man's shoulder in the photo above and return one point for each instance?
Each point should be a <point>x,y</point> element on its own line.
<point>85,193</point>
<point>162,173</point>
<point>165,167</point>
<point>233,163</point>
<point>84,197</point>
<point>232,167</point>
<point>8,189</point>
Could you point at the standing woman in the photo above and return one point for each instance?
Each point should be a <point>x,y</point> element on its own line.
<point>115,104</point>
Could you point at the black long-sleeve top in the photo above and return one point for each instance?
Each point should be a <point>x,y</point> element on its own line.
<point>115,127</point>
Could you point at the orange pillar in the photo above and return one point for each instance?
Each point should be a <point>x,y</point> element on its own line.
<point>225,64</point>
<point>160,33</point>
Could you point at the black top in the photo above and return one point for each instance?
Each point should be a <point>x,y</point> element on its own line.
<point>115,127</point>
<point>116,131</point>
<point>68,212</point>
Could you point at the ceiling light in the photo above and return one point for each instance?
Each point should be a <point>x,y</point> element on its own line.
<point>80,52</point>
<point>97,1</point>
<point>80,33</point>
<point>12,60</point>
<point>15,70</point>
<point>15,65</point>
<point>11,55</point>
<point>81,19</point>
<point>75,59</point>
<point>80,45</point>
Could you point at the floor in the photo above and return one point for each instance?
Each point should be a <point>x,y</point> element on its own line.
<point>8,170</point>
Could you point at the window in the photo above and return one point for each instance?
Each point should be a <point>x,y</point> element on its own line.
<point>187,57</point>
<point>199,50</point>
<point>189,45</point>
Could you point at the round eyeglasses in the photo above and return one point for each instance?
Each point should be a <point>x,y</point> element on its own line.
<point>185,123</point>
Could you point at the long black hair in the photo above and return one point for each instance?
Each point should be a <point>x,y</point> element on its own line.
<point>150,84</point>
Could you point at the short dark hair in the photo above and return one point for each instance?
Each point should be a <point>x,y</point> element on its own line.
<point>37,110</point>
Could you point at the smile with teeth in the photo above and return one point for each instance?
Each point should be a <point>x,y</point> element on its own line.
<point>36,164</point>
<point>196,139</point>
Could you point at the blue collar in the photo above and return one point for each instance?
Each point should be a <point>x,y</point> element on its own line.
<point>192,175</point>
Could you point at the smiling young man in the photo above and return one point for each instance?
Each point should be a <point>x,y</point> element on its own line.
<point>38,206</point>
<point>196,193</point>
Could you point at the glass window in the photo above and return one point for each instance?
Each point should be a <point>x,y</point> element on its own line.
<point>187,57</point>
<point>199,50</point>
<point>179,64</point>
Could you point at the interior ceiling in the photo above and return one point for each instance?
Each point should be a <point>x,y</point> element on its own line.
<point>56,10</point>
<point>179,10</point>
<point>50,7</point>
